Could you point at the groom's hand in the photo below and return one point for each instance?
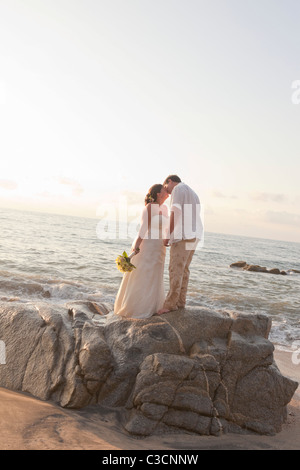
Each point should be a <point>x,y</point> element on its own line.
<point>166,241</point>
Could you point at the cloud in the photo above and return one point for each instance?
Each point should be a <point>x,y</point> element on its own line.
<point>283,218</point>
<point>218,194</point>
<point>269,197</point>
<point>75,186</point>
<point>8,184</point>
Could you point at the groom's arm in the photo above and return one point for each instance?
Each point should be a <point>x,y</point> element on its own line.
<point>172,218</point>
<point>171,230</point>
<point>175,212</point>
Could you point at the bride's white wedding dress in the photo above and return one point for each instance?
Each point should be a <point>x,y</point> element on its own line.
<point>141,293</point>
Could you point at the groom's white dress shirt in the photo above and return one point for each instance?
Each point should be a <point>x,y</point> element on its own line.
<point>187,220</point>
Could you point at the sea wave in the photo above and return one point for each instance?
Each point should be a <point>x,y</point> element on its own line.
<point>27,287</point>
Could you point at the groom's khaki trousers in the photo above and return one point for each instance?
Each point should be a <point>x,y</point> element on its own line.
<point>179,273</point>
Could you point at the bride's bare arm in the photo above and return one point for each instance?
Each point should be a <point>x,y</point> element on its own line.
<point>145,227</point>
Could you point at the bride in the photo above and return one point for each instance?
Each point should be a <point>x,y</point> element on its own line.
<point>141,293</point>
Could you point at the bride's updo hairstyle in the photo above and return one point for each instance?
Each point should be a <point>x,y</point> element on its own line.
<point>152,193</point>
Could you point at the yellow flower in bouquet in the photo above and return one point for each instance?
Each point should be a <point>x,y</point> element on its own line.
<point>124,263</point>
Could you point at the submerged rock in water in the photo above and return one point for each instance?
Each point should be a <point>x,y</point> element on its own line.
<point>256,268</point>
<point>275,271</point>
<point>239,264</point>
<point>194,370</point>
<point>260,269</point>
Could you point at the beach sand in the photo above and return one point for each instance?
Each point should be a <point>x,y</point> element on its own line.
<point>27,423</point>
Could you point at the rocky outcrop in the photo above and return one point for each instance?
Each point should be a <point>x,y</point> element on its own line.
<point>194,370</point>
<point>261,269</point>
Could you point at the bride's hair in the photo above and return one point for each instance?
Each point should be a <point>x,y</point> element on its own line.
<point>152,193</point>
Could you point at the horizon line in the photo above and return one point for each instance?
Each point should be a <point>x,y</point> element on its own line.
<point>37,211</point>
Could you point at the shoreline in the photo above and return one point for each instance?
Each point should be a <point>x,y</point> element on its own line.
<point>27,423</point>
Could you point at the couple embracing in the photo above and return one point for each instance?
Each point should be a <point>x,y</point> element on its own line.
<point>141,293</point>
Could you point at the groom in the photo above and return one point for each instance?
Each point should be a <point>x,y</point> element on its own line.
<point>185,232</point>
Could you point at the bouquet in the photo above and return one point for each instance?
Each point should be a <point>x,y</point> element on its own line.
<point>124,263</point>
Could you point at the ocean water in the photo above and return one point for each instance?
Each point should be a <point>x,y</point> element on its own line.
<point>57,259</point>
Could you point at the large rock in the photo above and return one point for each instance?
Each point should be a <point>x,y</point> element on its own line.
<point>193,370</point>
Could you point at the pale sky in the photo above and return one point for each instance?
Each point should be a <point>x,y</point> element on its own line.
<point>103,98</point>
